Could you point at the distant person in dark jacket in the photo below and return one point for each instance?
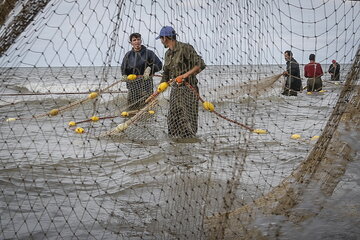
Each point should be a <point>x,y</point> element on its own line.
<point>136,61</point>
<point>334,70</point>
<point>313,72</point>
<point>292,74</point>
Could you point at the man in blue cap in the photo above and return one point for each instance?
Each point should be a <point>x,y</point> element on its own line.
<point>181,63</point>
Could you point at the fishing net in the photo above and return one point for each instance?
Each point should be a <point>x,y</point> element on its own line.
<point>90,153</point>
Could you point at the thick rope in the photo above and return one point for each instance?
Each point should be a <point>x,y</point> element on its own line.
<point>216,113</point>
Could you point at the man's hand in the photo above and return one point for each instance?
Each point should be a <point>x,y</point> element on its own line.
<point>124,78</point>
<point>285,73</point>
<point>146,75</point>
<point>181,78</point>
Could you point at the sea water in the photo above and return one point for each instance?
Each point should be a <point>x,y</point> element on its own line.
<point>142,184</point>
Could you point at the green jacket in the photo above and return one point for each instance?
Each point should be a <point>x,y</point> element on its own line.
<point>180,60</point>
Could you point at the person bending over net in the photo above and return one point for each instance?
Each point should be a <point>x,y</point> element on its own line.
<point>139,61</point>
<point>292,74</point>
<point>181,63</point>
<point>313,72</point>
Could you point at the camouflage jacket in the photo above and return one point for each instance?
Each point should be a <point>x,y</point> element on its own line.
<point>180,60</point>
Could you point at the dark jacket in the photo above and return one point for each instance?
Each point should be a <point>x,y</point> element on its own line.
<point>293,80</point>
<point>137,62</point>
<point>335,71</point>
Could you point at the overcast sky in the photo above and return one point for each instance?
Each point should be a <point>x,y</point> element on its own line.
<point>73,33</point>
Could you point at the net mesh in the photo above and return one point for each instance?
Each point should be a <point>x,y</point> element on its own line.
<point>227,158</point>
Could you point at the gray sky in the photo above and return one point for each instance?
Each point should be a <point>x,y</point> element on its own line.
<point>73,33</point>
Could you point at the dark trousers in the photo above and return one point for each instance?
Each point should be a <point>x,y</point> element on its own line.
<point>314,84</point>
<point>335,77</point>
<point>292,86</point>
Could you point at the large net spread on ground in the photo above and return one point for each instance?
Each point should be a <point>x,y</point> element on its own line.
<point>78,162</point>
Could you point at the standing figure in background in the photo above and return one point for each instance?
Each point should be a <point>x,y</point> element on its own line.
<point>136,61</point>
<point>292,74</point>
<point>334,70</point>
<point>313,72</point>
<point>181,63</point>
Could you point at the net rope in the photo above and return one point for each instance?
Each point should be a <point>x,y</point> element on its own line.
<point>91,151</point>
